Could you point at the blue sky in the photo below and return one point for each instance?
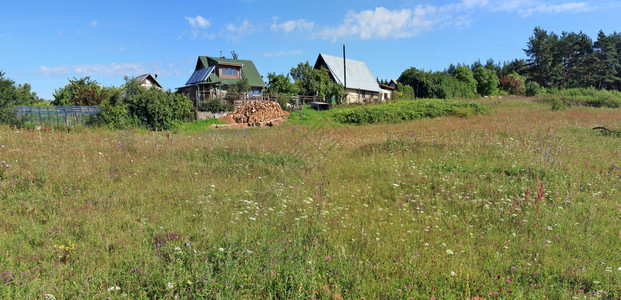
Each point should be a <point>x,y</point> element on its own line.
<point>44,43</point>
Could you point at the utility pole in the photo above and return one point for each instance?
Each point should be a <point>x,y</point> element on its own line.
<point>344,70</point>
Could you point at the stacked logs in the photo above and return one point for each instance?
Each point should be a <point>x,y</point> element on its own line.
<point>255,112</point>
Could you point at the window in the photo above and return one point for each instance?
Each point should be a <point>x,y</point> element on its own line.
<point>234,72</point>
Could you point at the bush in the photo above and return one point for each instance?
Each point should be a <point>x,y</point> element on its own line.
<point>532,88</point>
<point>215,106</point>
<point>401,111</point>
<point>142,107</point>
<point>513,84</point>
<point>584,97</point>
<point>487,81</point>
<point>436,85</point>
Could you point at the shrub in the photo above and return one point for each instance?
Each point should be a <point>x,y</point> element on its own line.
<point>142,107</point>
<point>532,88</point>
<point>401,111</point>
<point>584,97</point>
<point>512,84</point>
<point>215,106</point>
<point>487,81</point>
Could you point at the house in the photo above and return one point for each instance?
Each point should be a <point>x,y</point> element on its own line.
<point>214,75</point>
<point>386,93</point>
<point>148,81</point>
<point>360,84</point>
<point>393,83</point>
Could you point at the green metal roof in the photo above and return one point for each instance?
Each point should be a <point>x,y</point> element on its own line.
<point>248,70</point>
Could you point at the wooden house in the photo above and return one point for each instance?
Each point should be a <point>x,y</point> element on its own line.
<point>360,84</point>
<point>149,81</point>
<point>214,75</point>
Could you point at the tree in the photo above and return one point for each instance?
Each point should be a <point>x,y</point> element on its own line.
<point>607,62</point>
<point>487,81</point>
<point>281,84</point>
<point>139,106</point>
<point>465,75</point>
<point>83,91</point>
<point>318,82</point>
<point>543,59</point>
<point>241,86</point>
<point>512,84</point>
<point>11,95</point>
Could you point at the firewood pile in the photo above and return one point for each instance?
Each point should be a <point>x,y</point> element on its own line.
<point>255,112</point>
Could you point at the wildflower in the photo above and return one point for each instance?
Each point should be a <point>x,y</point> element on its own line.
<point>453,274</point>
<point>113,288</point>
<point>221,249</point>
<point>178,250</point>
<point>50,297</point>
<point>449,251</point>
<point>170,285</point>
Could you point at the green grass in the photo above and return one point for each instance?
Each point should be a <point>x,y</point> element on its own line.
<point>200,125</point>
<point>520,203</point>
<point>583,97</point>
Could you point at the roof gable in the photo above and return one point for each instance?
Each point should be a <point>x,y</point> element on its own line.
<point>142,78</point>
<point>358,74</point>
<point>248,70</point>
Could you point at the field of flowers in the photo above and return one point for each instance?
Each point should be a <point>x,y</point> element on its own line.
<point>523,202</point>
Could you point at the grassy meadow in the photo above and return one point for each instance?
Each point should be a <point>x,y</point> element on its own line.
<point>523,202</point>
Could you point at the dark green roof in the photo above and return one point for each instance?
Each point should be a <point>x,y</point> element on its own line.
<point>248,70</point>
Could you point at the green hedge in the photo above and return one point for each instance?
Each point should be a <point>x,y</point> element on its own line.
<point>401,111</point>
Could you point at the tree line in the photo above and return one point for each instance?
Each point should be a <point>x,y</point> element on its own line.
<point>555,62</point>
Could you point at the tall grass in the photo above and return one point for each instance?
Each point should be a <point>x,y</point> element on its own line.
<point>583,97</point>
<point>520,203</point>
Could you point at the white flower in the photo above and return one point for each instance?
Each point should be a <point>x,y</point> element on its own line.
<point>113,288</point>
<point>50,297</point>
<point>221,249</point>
<point>178,250</point>
<point>449,251</point>
<point>453,273</point>
<point>170,285</point>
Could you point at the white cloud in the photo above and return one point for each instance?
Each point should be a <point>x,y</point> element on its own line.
<point>237,31</point>
<point>93,23</point>
<point>196,24</point>
<point>292,25</point>
<point>384,23</point>
<point>555,8</point>
<point>281,53</point>
<point>113,69</point>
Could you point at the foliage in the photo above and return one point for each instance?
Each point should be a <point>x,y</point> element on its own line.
<point>312,82</point>
<point>400,111</point>
<point>573,60</point>
<point>281,84</point>
<point>584,97</point>
<point>435,85</point>
<point>83,91</point>
<point>215,106</point>
<point>512,84</point>
<point>12,95</point>
<point>464,74</point>
<point>487,81</point>
<point>148,108</point>
<point>241,86</point>
<point>532,88</point>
